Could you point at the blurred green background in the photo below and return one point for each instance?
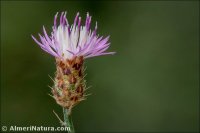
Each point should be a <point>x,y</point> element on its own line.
<point>151,84</point>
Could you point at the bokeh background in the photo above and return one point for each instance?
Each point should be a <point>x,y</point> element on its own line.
<point>151,84</point>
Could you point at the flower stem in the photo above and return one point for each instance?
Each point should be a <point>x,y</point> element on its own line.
<point>68,121</point>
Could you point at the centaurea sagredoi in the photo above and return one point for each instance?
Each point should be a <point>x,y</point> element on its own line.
<point>71,45</point>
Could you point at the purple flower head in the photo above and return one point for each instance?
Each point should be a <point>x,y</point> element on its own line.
<point>68,41</point>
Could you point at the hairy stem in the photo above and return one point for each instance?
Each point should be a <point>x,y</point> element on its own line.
<point>68,120</point>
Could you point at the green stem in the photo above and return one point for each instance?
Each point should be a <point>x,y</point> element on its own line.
<point>68,121</point>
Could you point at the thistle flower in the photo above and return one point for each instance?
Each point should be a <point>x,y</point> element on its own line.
<point>70,45</point>
<point>68,41</point>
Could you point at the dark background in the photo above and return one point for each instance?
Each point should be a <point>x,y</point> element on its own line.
<point>151,84</point>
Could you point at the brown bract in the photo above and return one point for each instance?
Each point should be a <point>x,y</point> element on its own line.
<point>69,84</point>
